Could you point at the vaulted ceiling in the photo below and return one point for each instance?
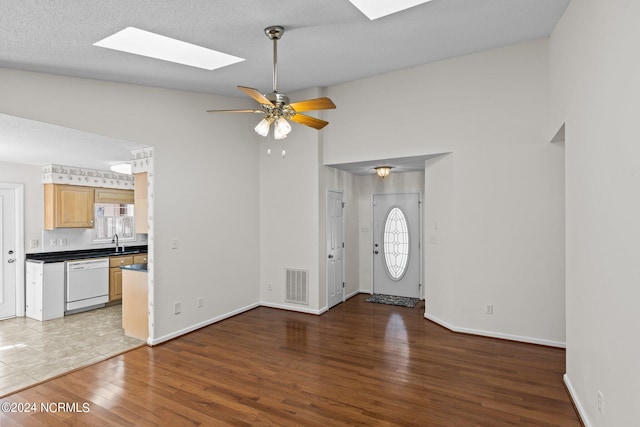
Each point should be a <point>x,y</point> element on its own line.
<point>326,42</point>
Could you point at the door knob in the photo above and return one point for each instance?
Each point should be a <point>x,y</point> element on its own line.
<point>330,256</point>
<point>11,261</point>
<point>375,252</point>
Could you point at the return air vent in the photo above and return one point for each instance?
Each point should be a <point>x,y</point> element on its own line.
<point>297,286</point>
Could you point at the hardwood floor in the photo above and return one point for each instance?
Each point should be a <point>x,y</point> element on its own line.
<point>358,364</point>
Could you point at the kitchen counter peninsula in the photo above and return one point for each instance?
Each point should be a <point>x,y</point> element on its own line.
<point>135,301</point>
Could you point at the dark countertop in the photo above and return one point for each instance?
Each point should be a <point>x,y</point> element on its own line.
<point>61,256</point>
<point>135,267</point>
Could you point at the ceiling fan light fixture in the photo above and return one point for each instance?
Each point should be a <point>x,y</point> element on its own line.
<point>383,171</point>
<point>262,128</point>
<point>281,128</point>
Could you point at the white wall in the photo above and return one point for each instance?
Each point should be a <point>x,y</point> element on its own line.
<point>289,212</point>
<point>206,183</point>
<point>438,226</point>
<point>506,230</point>
<point>595,90</point>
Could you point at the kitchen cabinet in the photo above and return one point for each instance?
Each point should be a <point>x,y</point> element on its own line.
<point>115,273</point>
<point>140,259</point>
<point>44,290</point>
<point>141,204</point>
<point>68,206</point>
<point>113,195</point>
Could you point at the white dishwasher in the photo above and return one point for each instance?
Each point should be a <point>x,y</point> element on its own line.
<point>86,285</point>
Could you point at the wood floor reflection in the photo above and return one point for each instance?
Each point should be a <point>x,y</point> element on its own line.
<point>359,363</point>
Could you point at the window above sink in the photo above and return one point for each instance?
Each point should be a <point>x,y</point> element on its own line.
<point>114,218</point>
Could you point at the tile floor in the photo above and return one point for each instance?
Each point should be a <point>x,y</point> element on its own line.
<point>33,351</point>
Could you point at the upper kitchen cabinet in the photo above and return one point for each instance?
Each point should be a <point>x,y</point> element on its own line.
<point>72,206</point>
<point>113,195</point>
<point>68,206</point>
<point>141,203</point>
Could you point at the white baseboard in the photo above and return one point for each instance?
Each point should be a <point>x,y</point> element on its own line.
<point>578,404</point>
<point>492,334</point>
<point>293,308</point>
<point>192,328</point>
<point>353,294</point>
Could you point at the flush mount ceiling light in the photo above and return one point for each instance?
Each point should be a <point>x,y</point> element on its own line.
<point>375,9</point>
<point>140,42</point>
<point>124,167</point>
<point>275,107</point>
<point>383,171</point>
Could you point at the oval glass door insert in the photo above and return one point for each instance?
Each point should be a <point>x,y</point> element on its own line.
<point>396,243</point>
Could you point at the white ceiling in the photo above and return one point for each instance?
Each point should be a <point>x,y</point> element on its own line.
<point>325,42</point>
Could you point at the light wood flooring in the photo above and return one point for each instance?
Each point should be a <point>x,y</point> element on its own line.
<point>358,364</point>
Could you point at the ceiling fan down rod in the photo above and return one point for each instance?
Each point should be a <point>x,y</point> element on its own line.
<point>274,33</point>
<point>275,65</point>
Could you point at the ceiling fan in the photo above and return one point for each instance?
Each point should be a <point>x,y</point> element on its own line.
<point>275,107</point>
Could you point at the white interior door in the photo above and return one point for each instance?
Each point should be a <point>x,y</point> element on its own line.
<point>7,249</point>
<point>335,249</point>
<point>396,244</point>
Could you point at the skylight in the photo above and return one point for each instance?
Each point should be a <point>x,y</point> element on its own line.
<point>145,43</point>
<point>375,9</point>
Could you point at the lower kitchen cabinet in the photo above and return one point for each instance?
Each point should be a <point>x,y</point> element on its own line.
<point>115,273</point>
<point>44,290</point>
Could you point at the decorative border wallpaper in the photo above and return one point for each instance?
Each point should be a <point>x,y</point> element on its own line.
<point>57,174</point>
<point>142,161</point>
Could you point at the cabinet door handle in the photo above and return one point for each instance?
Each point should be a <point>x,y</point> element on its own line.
<point>11,261</point>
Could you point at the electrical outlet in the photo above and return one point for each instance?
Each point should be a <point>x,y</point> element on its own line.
<point>600,402</point>
<point>34,244</point>
<point>199,302</point>
<point>488,309</point>
<point>174,244</point>
<point>177,308</point>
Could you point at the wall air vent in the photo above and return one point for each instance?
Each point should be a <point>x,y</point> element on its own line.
<point>297,286</point>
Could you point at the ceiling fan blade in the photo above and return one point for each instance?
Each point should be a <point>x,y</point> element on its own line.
<point>255,94</point>
<point>309,121</point>
<point>235,111</point>
<point>313,104</point>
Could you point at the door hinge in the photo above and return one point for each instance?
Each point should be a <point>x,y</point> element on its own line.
<point>342,285</point>
<point>343,245</point>
<point>342,205</point>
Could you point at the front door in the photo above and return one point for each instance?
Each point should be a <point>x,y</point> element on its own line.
<point>396,244</point>
<point>7,249</point>
<point>335,249</point>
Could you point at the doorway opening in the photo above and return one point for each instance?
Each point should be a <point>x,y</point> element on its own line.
<point>397,259</point>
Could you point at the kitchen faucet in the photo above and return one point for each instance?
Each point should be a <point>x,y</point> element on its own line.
<point>115,240</point>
